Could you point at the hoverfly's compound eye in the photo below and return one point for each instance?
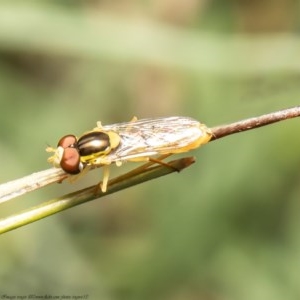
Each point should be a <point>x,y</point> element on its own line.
<point>93,143</point>
<point>70,161</point>
<point>67,141</point>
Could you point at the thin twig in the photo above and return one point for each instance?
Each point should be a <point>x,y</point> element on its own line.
<point>252,123</point>
<point>29,183</point>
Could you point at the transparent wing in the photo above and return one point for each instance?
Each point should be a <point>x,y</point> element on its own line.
<point>149,137</point>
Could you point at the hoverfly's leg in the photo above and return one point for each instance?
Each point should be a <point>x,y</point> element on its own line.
<point>151,161</point>
<point>103,184</point>
<point>140,169</point>
<point>160,162</point>
<point>134,119</point>
<point>99,125</point>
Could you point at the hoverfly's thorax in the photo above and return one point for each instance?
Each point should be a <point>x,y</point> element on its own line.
<point>93,143</point>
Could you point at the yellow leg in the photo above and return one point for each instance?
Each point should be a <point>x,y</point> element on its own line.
<point>152,161</point>
<point>103,184</point>
<point>138,170</point>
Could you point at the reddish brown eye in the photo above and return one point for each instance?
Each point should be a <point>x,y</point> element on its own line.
<point>67,141</point>
<point>70,161</point>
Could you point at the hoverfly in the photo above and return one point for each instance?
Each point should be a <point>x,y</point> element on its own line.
<point>137,140</point>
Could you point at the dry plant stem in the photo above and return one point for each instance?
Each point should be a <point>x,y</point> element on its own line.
<point>252,123</point>
<point>56,205</point>
<point>30,183</point>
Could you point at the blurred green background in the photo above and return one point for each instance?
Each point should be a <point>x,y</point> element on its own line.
<point>226,228</point>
